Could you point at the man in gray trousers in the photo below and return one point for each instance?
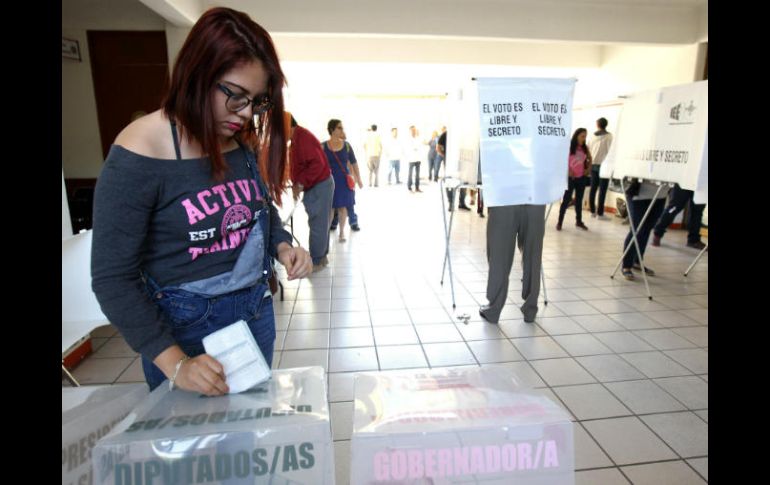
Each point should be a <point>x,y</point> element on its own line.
<point>310,173</point>
<point>505,225</point>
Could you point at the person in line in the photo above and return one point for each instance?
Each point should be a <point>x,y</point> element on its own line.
<point>578,163</point>
<point>311,175</point>
<point>599,147</point>
<point>343,163</point>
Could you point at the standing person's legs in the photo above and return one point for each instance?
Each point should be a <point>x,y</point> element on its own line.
<point>391,168</point>
<point>318,203</point>
<point>352,216</point>
<point>376,171</point>
<point>565,200</point>
<point>677,200</point>
<point>343,212</point>
<point>398,171</point>
<point>335,219</point>
<point>636,209</point>
<point>461,203</point>
<point>501,244</point>
<point>409,180</point>
<point>603,186</point>
<point>480,205</point>
<point>594,186</point>
<point>531,231</point>
<point>580,187</point>
<point>370,166</point>
<point>643,233</point>
<point>694,222</point>
<point>417,178</point>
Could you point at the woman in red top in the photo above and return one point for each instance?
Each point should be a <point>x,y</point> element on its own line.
<point>579,163</point>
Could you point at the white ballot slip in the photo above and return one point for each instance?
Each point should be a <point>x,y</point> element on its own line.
<point>235,348</point>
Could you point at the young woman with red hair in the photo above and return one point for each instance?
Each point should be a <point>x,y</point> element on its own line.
<point>185,231</point>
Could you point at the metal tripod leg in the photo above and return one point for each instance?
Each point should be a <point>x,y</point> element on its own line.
<point>542,271</point>
<point>697,258</point>
<point>447,234</point>
<point>69,376</point>
<point>634,239</point>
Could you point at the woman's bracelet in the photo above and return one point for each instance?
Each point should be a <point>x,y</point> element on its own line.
<point>176,371</point>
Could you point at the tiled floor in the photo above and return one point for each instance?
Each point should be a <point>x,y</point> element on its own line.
<point>632,372</point>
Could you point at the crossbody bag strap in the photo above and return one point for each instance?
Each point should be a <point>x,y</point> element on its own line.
<point>268,200</point>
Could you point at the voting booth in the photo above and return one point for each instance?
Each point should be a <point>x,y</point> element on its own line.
<point>517,132</point>
<point>457,425</point>
<point>277,432</point>
<point>663,138</point>
<point>89,413</point>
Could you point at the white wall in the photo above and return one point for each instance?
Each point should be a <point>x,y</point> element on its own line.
<point>81,143</point>
<point>629,69</point>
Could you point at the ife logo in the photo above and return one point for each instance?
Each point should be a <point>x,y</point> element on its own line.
<point>680,109</point>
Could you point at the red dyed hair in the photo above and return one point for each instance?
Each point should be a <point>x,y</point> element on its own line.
<point>220,40</point>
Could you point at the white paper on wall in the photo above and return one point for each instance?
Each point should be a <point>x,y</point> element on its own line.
<point>524,138</point>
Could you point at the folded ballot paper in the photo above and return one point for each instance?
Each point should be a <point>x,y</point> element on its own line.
<point>235,348</point>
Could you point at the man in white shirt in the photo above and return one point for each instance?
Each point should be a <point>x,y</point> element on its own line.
<point>373,148</point>
<point>599,146</point>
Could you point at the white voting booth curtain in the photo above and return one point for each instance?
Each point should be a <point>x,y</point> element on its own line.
<point>663,136</point>
<point>524,138</point>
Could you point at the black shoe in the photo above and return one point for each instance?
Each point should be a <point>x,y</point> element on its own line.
<point>482,311</point>
<point>529,319</point>
<point>354,227</point>
<point>696,245</point>
<point>647,270</point>
<point>464,207</point>
<point>332,228</point>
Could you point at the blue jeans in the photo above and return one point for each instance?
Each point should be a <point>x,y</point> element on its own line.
<point>636,209</point>
<point>395,165</point>
<point>436,167</point>
<point>192,317</point>
<point>414,167</point>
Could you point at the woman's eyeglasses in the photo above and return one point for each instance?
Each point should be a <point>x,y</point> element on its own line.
<point>236,102</point>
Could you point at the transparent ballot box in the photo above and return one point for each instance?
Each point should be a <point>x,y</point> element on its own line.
<point>457,425</point>
<point>277,432</point>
